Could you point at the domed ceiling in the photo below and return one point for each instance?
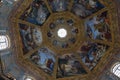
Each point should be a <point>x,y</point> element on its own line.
<point>64,39</point>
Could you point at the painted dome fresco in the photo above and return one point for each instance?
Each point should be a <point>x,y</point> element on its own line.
<point>59,39</point>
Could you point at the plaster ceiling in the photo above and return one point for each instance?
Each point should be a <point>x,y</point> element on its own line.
<point>89,39</point>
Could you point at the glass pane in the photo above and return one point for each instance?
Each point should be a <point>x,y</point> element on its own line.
<point>3,42</point>
<point>117,73</point>
<point>2,39</point>
<point>116,70</point>
<point>119,67</point>
<point>115,67</point>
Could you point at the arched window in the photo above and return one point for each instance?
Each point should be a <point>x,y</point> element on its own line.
<point>4,42</point>
<point>28,78</point>
<point>116,69</point>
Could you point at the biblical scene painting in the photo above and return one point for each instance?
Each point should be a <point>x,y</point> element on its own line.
<point>91,53</point>
<point>44,58</point>
<point>36,13</point>
<point>84,8</point>
<point>59,5</point>
<point>31,37</point>
<point>69,65</point>
<point>98,27</point>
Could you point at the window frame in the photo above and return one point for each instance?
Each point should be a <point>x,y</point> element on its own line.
<point>5,42</point>
<point>116,69</point>
<point>28,77</point>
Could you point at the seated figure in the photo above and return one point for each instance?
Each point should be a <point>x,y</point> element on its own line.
<point>41,15</point>
<point>58,5</point>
